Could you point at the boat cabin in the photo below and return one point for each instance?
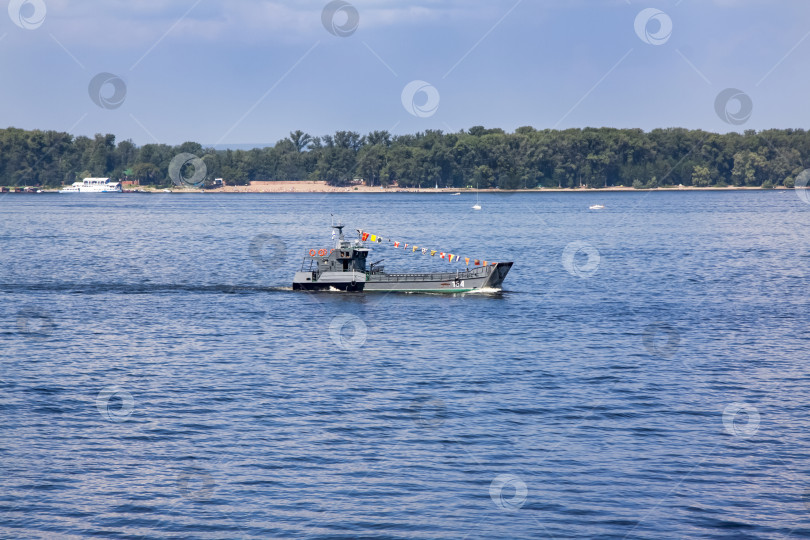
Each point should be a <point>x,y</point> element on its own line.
<point>344,257</point>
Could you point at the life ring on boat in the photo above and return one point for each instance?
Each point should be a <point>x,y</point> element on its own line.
<point>311,252</point>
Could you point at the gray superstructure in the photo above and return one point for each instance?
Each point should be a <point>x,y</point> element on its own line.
<point>344,268</point>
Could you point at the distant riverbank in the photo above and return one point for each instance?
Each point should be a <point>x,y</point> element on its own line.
<point>323,187</point>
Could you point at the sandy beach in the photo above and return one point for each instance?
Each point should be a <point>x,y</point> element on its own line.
<point>323,187</point>
<point>302,186</point>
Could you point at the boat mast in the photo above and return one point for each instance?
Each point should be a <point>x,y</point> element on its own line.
<point>339,228</point>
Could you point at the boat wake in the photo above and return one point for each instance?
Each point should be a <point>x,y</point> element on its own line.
<point>138,288</point>
<point>486,290</point>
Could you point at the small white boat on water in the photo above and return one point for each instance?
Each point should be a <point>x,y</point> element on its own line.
<point>93,185</point>
<point>456,193</point>
<point>596,207</point>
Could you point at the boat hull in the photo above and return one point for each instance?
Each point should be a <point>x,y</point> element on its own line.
<point>328,281</point>
<point>91,190</point>
<point>484,277</point>
<point>345,287</point>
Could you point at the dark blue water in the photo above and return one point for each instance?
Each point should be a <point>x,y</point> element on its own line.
<point>643,375</point>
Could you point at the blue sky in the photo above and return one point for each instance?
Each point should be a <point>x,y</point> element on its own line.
<point>250,71</point>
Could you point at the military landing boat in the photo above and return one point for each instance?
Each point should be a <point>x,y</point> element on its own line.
<point>344,269</point>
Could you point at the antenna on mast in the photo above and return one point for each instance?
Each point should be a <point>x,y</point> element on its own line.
<point>337,231</point>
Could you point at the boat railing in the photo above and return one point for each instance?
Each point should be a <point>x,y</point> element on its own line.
<point>436,276</point>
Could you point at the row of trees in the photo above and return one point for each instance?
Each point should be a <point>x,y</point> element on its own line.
<point>527,158</point>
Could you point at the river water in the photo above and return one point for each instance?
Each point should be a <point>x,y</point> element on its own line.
<point>644,373</point>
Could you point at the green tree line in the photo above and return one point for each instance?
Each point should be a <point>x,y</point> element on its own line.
<point>487,158</point>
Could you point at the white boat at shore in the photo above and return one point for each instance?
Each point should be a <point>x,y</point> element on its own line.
<point>93,185</point>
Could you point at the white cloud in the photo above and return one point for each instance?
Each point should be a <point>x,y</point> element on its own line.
<point>120,23</point>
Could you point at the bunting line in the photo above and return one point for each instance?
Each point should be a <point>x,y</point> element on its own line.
<point>449,257</point>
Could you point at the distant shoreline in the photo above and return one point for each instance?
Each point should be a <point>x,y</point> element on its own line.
<point>323,187</point>
<point>283,187</point>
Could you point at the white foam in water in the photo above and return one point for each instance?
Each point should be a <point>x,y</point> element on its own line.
<point>485,290</point>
